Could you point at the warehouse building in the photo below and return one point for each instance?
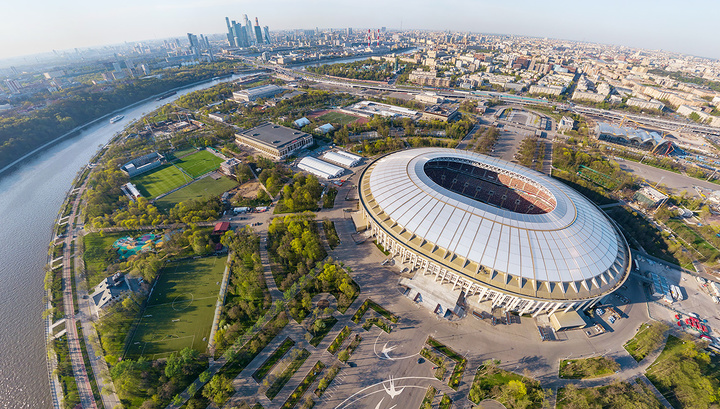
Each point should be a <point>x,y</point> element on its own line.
<point>342,158</point>
<point>275,141</point>
<point>320,168</point>
<point>251,94</point>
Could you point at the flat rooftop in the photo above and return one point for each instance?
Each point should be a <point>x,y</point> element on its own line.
<point>273,135</point>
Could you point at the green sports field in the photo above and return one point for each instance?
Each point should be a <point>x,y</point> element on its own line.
<point>338,118</point>
<point>202,188</point>
<point>180,309</point>
<point>164,179</point>
<point>199,163</point>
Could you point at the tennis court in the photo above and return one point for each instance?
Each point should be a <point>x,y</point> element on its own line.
<point>180,309</point>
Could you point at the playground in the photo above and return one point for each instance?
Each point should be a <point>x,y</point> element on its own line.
<point>180,309</point>
<point>127,246</point>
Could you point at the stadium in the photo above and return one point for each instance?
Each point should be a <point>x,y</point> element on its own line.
<point>500,234</point>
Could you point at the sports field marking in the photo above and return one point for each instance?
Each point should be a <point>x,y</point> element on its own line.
<point>170,303</point>
<point>180,307</point>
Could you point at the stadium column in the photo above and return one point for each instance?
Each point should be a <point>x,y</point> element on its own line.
<point>557,305</point>
<point>539,310</point>
<point>527,307</point>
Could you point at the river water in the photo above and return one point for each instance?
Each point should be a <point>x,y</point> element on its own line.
<point>30,197</point>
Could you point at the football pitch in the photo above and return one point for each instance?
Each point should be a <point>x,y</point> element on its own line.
<point>199,163</point>
<point>165,179</point>
<point>202,188</point>
<point>172,175</point>
<point>338,118</point>
<point>180,309</point>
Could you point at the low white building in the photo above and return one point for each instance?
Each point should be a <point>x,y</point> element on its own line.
<point>325,128</point>
<point>320,168</point>
<point>301,122</point>
<point>565,124</point>
<point>342,158</point>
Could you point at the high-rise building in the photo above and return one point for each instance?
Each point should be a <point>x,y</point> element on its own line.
<point>266,30</point>
<point>230,34</point>
<point>249,30</point>
<point>258,31</point>
<point>13,85</point>
<point>194,44</point>
<point>348,31</point>
<point>241,37</point>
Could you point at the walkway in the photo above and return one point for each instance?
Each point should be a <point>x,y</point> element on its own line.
<point>76,358</point>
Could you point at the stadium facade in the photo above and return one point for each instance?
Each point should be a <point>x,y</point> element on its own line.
<point>500,234</point>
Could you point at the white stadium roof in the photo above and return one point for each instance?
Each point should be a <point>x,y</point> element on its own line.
<point>570,241</point>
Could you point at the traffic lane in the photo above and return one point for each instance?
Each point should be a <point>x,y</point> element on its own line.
<point>670,179</point>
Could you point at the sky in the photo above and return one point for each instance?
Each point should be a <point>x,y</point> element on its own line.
<point>36,26</point>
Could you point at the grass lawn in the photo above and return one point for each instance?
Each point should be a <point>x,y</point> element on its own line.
<point>199,163</point>
<point>162,180</point>
<point>183,152</point>
<point>336,117</point>
<point>587,368</point>
<point>202,188</point>
<point>648,338</point>
<point>617,395</point>
<point>99,254</point>
<point>686,375</point>
<point>489,376</point>
<point>273,359</point>
<point>180,309</point>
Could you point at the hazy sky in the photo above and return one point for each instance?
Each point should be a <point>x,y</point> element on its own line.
<point>690,26</point>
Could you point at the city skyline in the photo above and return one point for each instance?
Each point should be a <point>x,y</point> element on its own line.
<point>657,25</point>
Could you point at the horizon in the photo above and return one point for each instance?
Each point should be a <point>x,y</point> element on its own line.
<point>657,26</point>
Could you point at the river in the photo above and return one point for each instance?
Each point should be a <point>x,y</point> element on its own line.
<point>30,197</point>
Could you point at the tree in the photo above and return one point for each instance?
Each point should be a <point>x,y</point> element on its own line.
<point>218,389</point>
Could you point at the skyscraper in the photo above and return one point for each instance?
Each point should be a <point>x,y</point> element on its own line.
<point>241,38</point>
<point>267,34</point>
<point>258,31</point>
<point>194,44</point>
<point>249,30</point>
<point>230,35</point>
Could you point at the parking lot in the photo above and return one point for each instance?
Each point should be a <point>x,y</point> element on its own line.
<point>697,298</point>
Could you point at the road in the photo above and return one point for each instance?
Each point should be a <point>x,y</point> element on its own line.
<point>670,179</point>
<point>76,358</point>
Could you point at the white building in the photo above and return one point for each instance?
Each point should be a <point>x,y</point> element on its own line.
<point>641,103</point>
<point>251,94</point>
<point>320,168</point>
<point>342,158</point>
<point>301,122</point>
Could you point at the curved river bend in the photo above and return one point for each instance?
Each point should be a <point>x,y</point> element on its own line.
<point>30,198</point>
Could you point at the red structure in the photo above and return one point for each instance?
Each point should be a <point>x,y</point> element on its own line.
<point>221,228</point>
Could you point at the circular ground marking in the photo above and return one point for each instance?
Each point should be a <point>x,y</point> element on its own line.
<point>182,301</point>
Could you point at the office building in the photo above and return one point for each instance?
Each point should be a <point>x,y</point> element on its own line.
<point>248,30</point>
<point>258,32</point>
<point>274,141</point>
<point>13,86</point>
<point>266,30</point>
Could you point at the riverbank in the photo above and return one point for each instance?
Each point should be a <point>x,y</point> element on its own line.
<point>75,131</point>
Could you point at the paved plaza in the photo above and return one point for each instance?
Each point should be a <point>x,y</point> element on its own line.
<point>385,372</point>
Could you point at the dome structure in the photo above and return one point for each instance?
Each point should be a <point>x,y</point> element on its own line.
<point>493,228</point>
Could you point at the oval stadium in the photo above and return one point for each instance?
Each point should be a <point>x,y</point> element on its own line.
<point>482,232</point>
